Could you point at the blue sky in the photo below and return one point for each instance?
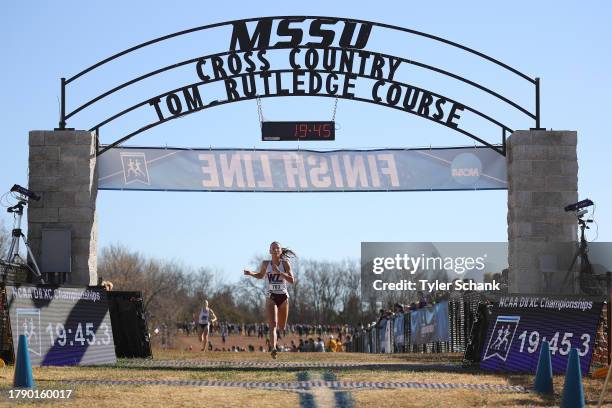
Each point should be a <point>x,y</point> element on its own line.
<point>565,43</point>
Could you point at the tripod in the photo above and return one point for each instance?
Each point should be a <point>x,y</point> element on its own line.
<point>13,252</point>
<point>586,269</point>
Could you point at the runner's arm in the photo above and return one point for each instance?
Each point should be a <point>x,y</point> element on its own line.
<point>260,274</point>
<point>287,274</point>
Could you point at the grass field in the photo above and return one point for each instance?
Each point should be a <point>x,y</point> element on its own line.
<point>357,367</point>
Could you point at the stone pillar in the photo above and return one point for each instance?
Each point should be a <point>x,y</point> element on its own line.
<point>62,169</point>
<point>542,180</point>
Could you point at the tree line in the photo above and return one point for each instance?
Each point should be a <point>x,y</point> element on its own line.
<point>324,292</point>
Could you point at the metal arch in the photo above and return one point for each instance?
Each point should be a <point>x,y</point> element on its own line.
<point>192,60</point>
<point>501,150</point>
<point>535,82</point>
<point>127,110</point>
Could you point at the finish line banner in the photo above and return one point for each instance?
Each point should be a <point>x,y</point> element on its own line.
<point>473,168</point>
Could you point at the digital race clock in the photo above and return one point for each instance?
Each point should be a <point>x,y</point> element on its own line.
<point>304,130</point>
<point>63,325</point>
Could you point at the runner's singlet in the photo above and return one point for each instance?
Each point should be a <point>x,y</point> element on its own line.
<point>276,283</point>
<point>204,316</point>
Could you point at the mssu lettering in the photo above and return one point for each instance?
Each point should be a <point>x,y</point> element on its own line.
<point>261,36</point>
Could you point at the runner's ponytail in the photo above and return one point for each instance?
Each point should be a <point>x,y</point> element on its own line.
<point>286,253</point>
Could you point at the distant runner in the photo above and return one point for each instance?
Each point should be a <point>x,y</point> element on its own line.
<point>205,318</point>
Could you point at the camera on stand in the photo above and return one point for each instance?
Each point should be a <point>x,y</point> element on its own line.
<point>585,277</point>
<point>17,235</point>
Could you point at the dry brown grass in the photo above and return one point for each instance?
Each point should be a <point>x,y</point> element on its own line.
<point>179,354</point>
<point>447,398</point>
<point>459,398</point>
<point>159,396</point>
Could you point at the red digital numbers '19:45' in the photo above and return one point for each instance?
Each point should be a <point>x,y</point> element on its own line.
<point>318,130</point>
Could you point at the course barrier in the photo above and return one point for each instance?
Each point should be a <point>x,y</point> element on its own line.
<point>462,312</point>
<point>468,315</point>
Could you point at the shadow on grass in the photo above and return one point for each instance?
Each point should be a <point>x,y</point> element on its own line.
<point>343,399</point>
<point>306,398</point>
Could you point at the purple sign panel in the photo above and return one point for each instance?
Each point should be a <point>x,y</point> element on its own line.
<point>520,324</point>
<point>63,325</point>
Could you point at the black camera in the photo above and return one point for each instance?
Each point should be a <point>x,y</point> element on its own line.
<point>24,191</point>
<point>580,204</point>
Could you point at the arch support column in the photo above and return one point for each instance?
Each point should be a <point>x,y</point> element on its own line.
<point>542,180</point>
<point>62,169</point>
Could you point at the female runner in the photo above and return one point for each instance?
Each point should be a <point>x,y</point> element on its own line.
<point>206,316</point>
<point>278,272</point>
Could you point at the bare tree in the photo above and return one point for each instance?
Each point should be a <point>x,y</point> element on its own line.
<point>350,289</point>
<point>130,271</point>
<point>5,238</point>
<point>161,279</point>
<point>121,266</point>
<point>251,297</point>
<point>201,283</point>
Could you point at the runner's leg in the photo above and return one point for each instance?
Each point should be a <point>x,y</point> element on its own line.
<point>271,313</point>
<point>283,313</point>
<point>205,337</point>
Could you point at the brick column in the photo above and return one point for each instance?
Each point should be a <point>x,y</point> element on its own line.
<point>542,179</point>
<point>62,169</point>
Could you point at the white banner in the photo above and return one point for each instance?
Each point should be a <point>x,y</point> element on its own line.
<point>301,170</point>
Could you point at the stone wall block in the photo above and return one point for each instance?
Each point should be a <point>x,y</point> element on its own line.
<point>41,153</point>
<point>75,152</point>
<point>60,138</point>
<point>561,183</point>
<point>85,138</point>
<point>44,215</point>
<point>85,199</point>
<point>36,138</point>
<point>82,230</point>
<point>40,184</point>
<point>75,214</point>
<point>547,168</point>
<point>569,168</point>
<point>59,199</point>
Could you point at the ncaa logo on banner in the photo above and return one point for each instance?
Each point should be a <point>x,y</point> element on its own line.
<point>503,333</point>
<point>28,323</point>
<point>466,168</point>
<point>135,168</point>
